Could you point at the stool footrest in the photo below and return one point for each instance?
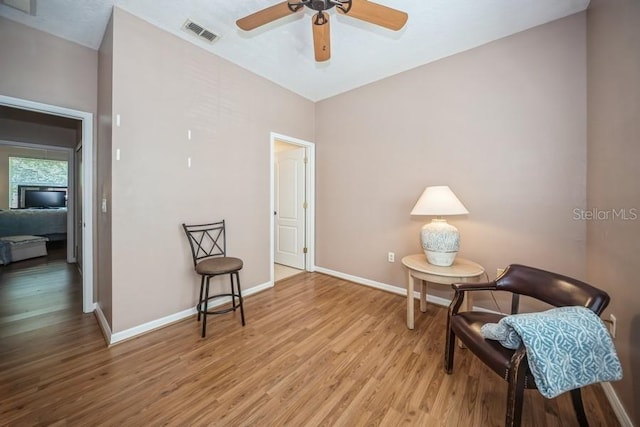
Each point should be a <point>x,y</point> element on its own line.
<point>233,307</point>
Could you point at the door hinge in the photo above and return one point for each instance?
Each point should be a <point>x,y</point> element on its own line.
<point>304,250</point>
<point>306,160</point>
<point>305,205</point>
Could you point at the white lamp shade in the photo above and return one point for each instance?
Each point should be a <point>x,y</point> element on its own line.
<point>438,201</point>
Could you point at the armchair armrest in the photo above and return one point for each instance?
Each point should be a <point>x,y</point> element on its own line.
<point>461,288</point>
<point>487,286</point>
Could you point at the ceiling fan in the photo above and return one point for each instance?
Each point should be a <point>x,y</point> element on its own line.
<point>365,10</point>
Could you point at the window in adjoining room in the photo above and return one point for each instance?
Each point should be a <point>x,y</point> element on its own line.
<point>35,172</point>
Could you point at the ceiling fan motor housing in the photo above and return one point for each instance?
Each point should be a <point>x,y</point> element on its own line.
<point>320,5</point>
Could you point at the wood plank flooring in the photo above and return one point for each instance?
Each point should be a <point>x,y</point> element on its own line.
<point>316,351</point>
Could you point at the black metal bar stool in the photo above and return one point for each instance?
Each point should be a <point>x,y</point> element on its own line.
<point>209,251</point>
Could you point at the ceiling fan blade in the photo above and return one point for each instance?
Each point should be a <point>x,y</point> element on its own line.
<point>378,14</point>
<point>264,16</point>
<point>321,38</point>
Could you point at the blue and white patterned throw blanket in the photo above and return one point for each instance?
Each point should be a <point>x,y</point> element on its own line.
<point>567,347</point>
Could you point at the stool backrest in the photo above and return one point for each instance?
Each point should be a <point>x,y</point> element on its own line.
<point>206,240</point>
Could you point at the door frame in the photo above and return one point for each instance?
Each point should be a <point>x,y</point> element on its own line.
<point>86,118</point>
<point>76,226</point>
<point>310,190</point>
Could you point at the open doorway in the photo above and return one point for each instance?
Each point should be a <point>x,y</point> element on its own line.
<point>292,210</point>
<point>38,187</point>
<point>85,120</point>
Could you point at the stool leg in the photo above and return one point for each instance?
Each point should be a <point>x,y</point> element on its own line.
<point>233,294</point>
<point>240,297</point>
<point>206,308</point>
<point>200,299</point>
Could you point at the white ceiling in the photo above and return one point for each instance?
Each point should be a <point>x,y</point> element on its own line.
<point>283,50</point>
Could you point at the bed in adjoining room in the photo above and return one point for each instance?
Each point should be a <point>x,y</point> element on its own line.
<point>24,232</point>
<point>49,223</point>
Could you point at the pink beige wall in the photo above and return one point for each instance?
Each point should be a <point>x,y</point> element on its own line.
<point>40,67</point>
<point>163,87</point>
<point>504,125</point>
<point>613,249</point>
<point>103,174</point>
<point>36,133</point>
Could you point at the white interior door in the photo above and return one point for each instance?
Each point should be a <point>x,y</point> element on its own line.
<point>290,207</point>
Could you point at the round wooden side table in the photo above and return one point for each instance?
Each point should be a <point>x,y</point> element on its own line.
<point>461,271</point>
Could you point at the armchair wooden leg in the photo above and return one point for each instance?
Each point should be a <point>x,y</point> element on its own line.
<point>515,393</point>
<point>576,399</point>
<point>450,348</point>
<point>515,397</point>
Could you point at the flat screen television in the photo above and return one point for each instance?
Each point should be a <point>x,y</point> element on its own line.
<point>44,199</point>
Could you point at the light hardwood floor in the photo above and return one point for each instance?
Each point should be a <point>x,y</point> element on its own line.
<point>281,272</point>
<point>316,350</point>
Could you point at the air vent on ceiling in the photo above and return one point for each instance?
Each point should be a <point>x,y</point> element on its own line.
<point>191,27</point>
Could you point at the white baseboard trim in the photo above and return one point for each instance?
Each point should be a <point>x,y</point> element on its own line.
<point>388,288</point>
<point>172,318</point>
<point>257,288</point>
<point>371,283</point>
<point>102,322</point>
<point>150,326</point>
<point>616,405</point>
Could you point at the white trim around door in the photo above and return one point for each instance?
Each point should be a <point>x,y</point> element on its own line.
<point>87,178</point>
<point>310,192</point>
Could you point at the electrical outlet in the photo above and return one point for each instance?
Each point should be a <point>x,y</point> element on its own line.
<point>391,257</point>
<point>614,325</point>
<point>499,271</point>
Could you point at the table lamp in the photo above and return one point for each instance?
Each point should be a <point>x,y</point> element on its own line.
<point>440,240</point>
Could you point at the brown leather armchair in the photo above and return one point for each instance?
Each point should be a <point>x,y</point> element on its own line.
<point>512,365</point>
